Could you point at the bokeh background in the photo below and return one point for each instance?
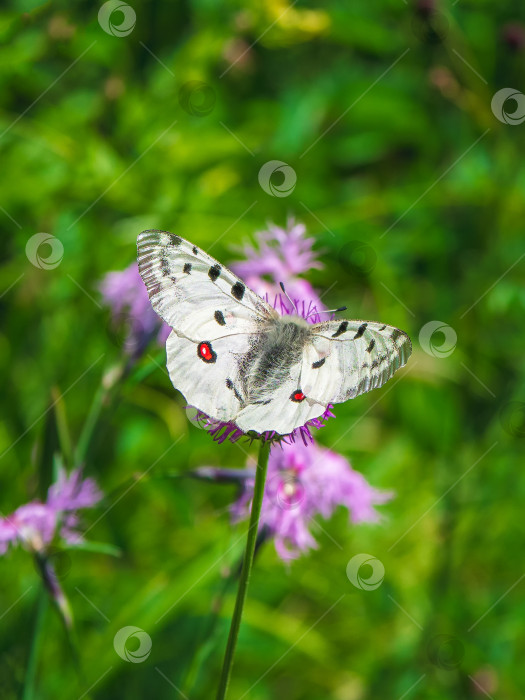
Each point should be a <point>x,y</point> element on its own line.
<point>413,187</point>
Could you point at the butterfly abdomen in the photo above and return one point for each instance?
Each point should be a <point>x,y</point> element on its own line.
<point>280,347</point>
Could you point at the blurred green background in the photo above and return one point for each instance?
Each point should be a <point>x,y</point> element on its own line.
<point>414,191</point>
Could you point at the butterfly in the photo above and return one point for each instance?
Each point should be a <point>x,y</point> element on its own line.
<point>236,359</point>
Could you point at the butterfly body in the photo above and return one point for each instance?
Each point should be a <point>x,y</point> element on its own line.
<point>236,359</point>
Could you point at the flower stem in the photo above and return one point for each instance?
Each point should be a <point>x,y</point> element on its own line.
<point>29,692</point>
<point>258,493</point>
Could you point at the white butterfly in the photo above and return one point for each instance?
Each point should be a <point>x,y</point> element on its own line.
<point>236,359</point>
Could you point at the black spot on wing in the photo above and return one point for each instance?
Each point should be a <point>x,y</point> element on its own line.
<point>195,250</point>
<point>382,328</point>
<point>219,317</point>
<point>214,272</point>
<point>231,386</point>
<point>319,363</point>
<point>371,346</point>
<point>238,290</point>
<point>175,240</point>
<point>396,334</point>
<point>360,330</point>
<point>164,267</point>
<point>187,268</point>
<point>342,328</point>
<point>374,364</point>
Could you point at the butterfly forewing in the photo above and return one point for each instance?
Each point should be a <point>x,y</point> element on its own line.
<point>193,293</point>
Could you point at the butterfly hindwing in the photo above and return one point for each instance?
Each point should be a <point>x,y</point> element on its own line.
<point>208,372</point>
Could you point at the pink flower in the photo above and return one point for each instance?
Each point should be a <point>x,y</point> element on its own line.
<point>282,255</point>
<point>35,524</point>
<point>303,482</point>
<point>127,296</point>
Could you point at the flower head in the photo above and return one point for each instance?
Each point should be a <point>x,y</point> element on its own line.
<point>35,524</point>
<point>302,483</point>
<point>125,293</point>
<point>281,255</point>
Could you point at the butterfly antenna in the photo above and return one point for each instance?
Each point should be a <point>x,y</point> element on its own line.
<point>289,299</point>
<point>328,311</point>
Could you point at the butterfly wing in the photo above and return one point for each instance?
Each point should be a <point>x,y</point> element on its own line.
<point>349,358</point>
<point>194,294</point>
<point>340,360</point>
<point>216,320</point>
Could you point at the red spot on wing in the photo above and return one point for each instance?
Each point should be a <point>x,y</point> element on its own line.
<point>298,396</point>
<point>206,352</point>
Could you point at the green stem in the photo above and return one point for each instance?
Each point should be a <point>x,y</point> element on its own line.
<point>258,493</point>
<point>30,676</point>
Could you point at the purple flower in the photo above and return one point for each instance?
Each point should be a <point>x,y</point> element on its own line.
<point>303,482</point>
<point>35,524</point>
<point>281,256</point>
<point>127,296</point>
